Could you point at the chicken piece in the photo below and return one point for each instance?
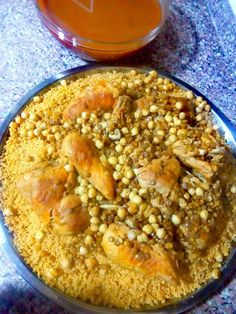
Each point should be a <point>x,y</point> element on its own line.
<point>69,217</point>
<point>200,166</point>
<point>83,154</point>
<point>142,103</point>
<point>92,99</point>
<point>43,188</point>
<point>151,260</point>
<point>161,174</point>
<point>121,109</point>
<point>194,237</point>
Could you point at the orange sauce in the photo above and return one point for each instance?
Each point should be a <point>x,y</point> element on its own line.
<point>104,20</point>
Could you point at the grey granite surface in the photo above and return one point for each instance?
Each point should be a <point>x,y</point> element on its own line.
<point>197,44</point>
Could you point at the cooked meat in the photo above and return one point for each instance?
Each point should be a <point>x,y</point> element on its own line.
<point>69,217</point>
<point>151,260</point>
<point>121,109</point>
<point>201,166</point>
<point>43,188</point>
<point>161,174</point>
<point>91,99</point>
<point>143,103</point>
<point>83,154</point>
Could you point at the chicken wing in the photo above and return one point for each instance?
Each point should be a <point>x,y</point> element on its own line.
<point>121,109</point>
<point>201,166</point>
<point>43,188</point>
<point>151,260</point>
<point>91,99</point>
<point>161,174</point>
<point>83,154</point>
<point>69,217</point>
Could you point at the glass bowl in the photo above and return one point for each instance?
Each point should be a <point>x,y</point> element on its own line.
<point>76,306</point>
<point>94,50</point>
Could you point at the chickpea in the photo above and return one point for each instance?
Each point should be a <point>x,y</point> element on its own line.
<point>83,250</point>
<point>152,219</point>
<point>175,220</point>
<point>160,81</point>
<point>151,125</point>
<point>204,214</point>
<point>88,239</point>
<point>113,160</point>
<point>94,211</point>
<point>131,235</point>
<point>63,83</point>
<point>189,95</point>
<point>121,213</point>
<point>179,105</point>
<point>134,131</point>
<point>142,238</point>
<point>125,193</point>
<point>121,159</point>
<point>123,141</point>
<point>129,174</point>
<point>116,175</point>
<point>153,109</point>
<point>182,203</point>
<point>147,229</point>
<point>199,191</point>
<point>125,180</point>
<point>136,199</point>
<point>153,73</point>
<point>92,192</point>
<point>36,99</point>
<point>119,148</point>
<point>84,198</point>
<point>160,233</point>
<point>19,119</point>
<point>103,228</point>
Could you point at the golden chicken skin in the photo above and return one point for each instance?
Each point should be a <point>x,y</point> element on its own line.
<point>161,174</point>
<point>91,99</point>
<point>150,260</point>
<point>43,188</point>
<point>201,166</point>
<point>69,217</point>
<point>83,154</point>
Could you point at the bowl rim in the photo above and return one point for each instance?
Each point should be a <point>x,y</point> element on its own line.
<point>55,295</point>
<point>164,4</point>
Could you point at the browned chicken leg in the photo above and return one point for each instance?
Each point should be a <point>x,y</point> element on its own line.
<point>83,154</point>
<point>43,188</point>
<point>69,217</point>
<point>151,260</point>
<point>91,99</point>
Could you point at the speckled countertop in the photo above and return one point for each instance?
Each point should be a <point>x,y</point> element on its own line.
<point>198,45</point>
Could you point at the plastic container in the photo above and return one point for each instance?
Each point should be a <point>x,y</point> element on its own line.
<point>103,49</point>
<point>75,306</point>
